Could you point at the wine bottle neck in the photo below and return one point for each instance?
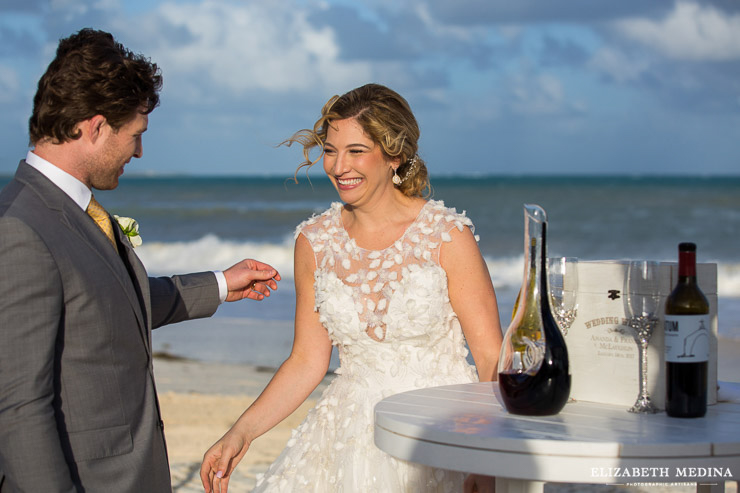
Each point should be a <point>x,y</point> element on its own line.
<point>686,266</point>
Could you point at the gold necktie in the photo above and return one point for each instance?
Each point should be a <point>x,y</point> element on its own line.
<point>102,219</point>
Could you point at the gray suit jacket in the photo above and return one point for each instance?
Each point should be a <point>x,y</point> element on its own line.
<point>78,405</point>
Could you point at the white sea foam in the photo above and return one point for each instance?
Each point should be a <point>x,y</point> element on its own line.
<point>728,280</point>
<point>506,273</point>
<point>210,252</point>
<point>213,253</point>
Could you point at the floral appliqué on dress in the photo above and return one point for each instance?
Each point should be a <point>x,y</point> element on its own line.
<point>389,315</point>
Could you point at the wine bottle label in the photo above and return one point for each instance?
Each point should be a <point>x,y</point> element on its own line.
<point>686,338</point>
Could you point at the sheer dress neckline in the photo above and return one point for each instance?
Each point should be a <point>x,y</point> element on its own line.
<point>360,294</point>
<point>392,243</point>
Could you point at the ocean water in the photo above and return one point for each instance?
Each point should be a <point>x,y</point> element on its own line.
<point>203,223</point>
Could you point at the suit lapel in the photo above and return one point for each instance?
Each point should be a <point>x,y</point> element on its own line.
<point>140,279</point>
<point>83,226</point>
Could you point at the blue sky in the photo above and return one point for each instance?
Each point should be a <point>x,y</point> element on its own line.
<point>498,86</point>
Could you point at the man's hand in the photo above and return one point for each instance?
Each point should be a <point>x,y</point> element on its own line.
<point>250,279</point>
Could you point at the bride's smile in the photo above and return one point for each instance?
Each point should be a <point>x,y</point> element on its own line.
<point>355,164</point>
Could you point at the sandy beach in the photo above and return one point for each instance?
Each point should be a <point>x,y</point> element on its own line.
<point>200,401</point>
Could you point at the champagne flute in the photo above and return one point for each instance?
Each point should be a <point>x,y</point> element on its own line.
<point>642,298</point>
<point>563,274</point>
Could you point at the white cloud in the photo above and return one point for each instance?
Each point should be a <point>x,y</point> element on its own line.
<point>440,30</point>
<point>9,84</point>
<point>239,47</point>
<point>690,32</point>
<point>542,94</point>
<point>618,65</point>
<point>68,7</point>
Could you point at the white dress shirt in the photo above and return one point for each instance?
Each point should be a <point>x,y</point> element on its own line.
<point>81,195</point>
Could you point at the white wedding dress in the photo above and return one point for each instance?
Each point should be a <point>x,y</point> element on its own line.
<point>389,314</point>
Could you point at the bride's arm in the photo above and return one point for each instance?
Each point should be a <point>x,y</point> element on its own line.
<point>307,364</point>
<point>473,299</point>
<point>294,381</point>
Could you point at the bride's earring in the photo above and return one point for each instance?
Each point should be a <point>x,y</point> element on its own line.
<point>396,179</point>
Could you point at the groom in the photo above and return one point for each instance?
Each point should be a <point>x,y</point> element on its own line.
<point>78,405</point>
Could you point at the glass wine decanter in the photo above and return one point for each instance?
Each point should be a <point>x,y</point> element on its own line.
<point>533,372</point>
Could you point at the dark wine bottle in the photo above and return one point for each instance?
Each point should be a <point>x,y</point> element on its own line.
<point>686,341</point>
<point>533,373</point>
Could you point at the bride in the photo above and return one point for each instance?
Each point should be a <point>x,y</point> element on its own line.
<point>397,283</point>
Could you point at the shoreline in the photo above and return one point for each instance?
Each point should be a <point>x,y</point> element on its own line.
<point>201,400</point>
<point>183,374</point>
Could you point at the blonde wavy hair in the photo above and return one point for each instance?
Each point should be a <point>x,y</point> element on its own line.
<point>386,117</point>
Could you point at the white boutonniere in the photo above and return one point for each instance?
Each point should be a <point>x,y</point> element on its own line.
<point>130,228</point>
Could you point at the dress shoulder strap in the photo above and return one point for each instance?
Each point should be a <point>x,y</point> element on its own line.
<point>323,233</point>
<point>439,220</point>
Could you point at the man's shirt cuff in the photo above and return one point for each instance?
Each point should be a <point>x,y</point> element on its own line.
<point>223,288</point>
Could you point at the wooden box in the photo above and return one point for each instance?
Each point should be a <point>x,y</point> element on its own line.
<point>603,354</point>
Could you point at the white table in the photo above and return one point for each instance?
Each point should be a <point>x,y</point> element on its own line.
<point>465,428</point>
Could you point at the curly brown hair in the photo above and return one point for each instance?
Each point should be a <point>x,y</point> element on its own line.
<point>92,74</point>
<point>386,117</point>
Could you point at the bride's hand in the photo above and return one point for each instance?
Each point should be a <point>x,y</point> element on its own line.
<point>220,461</point>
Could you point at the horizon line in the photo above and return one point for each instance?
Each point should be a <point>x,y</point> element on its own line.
<point>463,175</point>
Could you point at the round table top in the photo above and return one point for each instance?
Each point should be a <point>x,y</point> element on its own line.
<point>465,427</point>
